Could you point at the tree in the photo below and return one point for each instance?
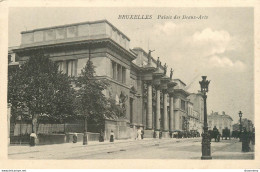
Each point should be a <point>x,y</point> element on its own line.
<point>91,102</point>
<point>114,110</point>
<point>13,96</point>
<point>39,87</point>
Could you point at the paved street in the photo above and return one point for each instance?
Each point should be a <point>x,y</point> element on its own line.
<point>189,148</point>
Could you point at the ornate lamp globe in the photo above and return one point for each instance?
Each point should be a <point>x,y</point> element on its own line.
<point>240,114</point>
<point>204,84</point>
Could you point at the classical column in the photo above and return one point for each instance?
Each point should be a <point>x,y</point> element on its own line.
<point>165,115</point>
<point>177,121</point>
<point>171,114</point>
<point>158,113</point>
<point>149,107</point>
<point>170,90</point>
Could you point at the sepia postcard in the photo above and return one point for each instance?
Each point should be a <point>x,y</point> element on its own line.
<point>129,85</point>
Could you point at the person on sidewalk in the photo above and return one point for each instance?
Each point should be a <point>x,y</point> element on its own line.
<point>75,138</point>
<point>33,137</point>
<point>142,134</point>
<point>112,136</point>
<point>139,132</point>
<point>245,141</point>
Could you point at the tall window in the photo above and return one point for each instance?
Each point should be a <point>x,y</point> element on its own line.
<point>114,70</point>
<point>182,104</point>
<point>71,68</point>
<point>118,72</point>
<point>60,66</point>
<point>9,58</point>
<point>123,75</point>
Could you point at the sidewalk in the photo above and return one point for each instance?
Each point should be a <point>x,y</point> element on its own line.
<point>233,151</point>
<point>65,150</point>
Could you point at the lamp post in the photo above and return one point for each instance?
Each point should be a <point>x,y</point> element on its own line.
<point>206,149</point>
<point>240,125</point>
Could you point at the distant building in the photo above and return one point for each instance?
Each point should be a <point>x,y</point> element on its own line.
<point>221,121</point>
<point>193,116</point>
<point>181,105</point>
<point>198,108</point>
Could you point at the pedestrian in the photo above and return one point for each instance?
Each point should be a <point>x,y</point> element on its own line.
<point>215,133</point>
<point>139,133</point>
<point>33,137</point>
<point>112,136</point>
<point>245,141</point>
<point>101,136</point>
<point>75,138</point>
<point>253,138</point>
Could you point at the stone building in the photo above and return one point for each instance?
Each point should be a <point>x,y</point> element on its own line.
<point>193,118</point>
<point>221,121</point>
<point>181,105</point>
<point>153,100</point>
<point>198,109</point>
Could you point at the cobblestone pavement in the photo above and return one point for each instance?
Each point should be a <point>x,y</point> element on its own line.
<point>188,148</point>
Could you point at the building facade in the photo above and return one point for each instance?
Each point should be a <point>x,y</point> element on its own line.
<point>153,100</point>
<point>221,121</point>
<point>198,109</point>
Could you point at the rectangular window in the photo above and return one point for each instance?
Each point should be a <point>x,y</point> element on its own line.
<point>183,105</point>
<point>114,70</point>
<point>123,74</point>
<point>60,66</point>
<point>9,58</point>
<point>71,69</point>
<point>118,72</point>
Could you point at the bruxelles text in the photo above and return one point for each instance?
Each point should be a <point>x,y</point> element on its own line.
<point>163,17</point>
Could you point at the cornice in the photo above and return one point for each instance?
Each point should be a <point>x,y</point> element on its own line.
<point>109,42</point>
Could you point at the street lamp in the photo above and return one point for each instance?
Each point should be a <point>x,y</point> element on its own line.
<point>206,149</point>
<point>240,125</point>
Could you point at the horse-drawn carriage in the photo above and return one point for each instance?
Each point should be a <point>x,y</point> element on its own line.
<point>236,134</point>
<point>215,134</point>
<point>226,133</point>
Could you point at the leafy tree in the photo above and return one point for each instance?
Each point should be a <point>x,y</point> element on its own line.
<point>114,110</point>
<point>13,95</point>
<point>91,102</point>
<point>39,87</point>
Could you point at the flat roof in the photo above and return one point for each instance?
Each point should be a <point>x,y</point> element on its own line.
<point>75,24</point>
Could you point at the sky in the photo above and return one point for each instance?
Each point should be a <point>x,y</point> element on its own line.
<point>220,47</point>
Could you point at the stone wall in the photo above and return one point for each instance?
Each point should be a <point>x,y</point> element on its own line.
<point>121,129</point>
